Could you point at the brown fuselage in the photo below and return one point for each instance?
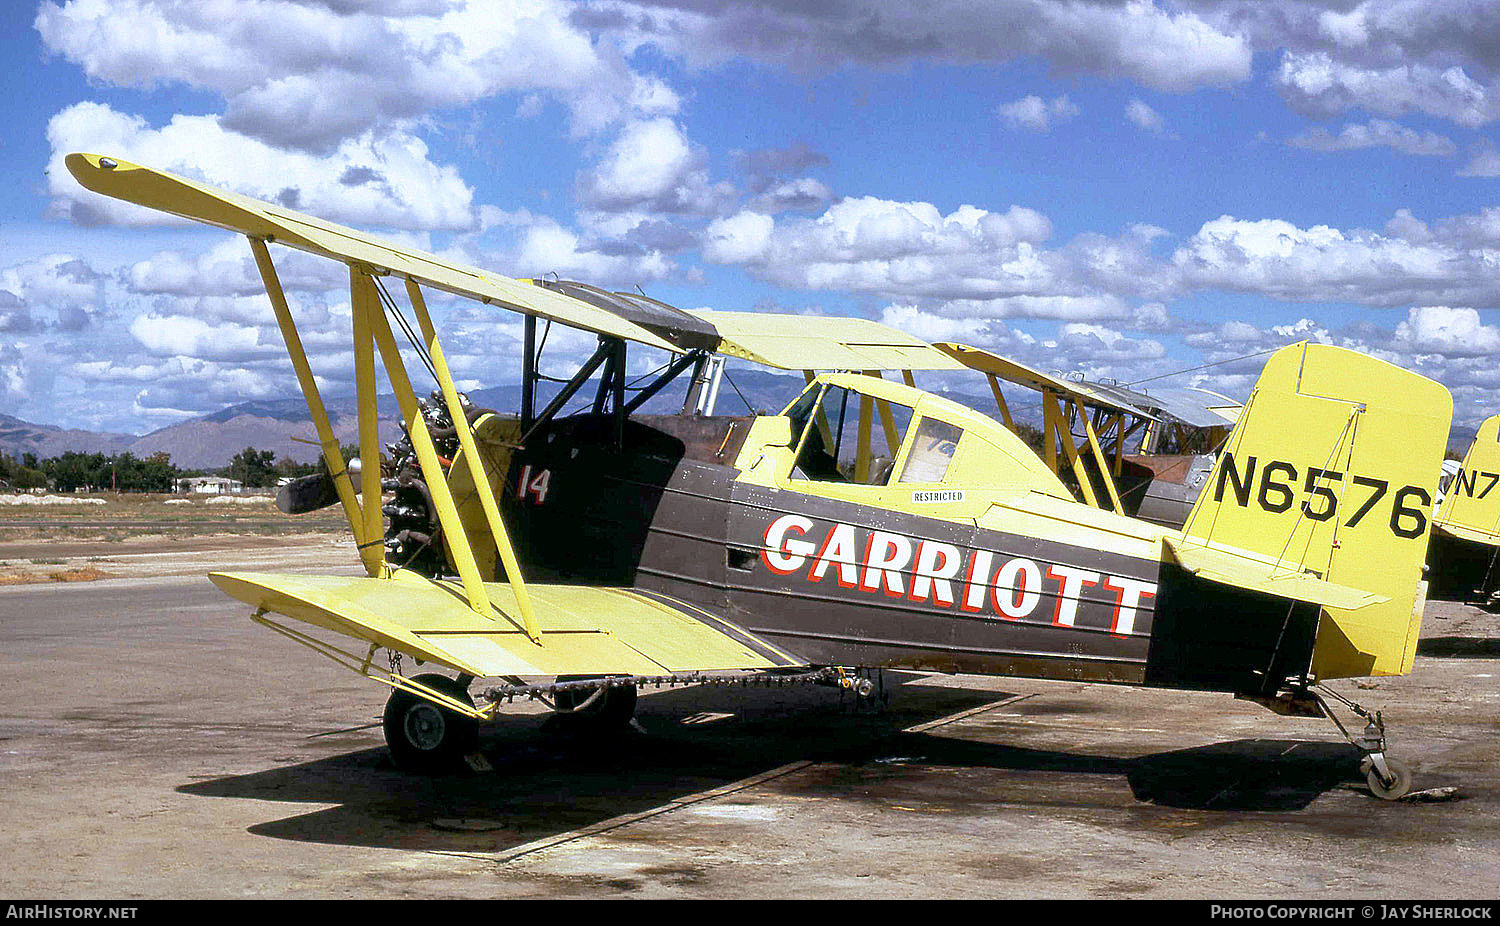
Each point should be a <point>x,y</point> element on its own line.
<point>845,584</point>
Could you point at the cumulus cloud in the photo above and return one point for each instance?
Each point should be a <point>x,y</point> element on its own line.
<point>742,238</point>
<point>653,166</point>
<point>804,194</point>
<point>526,245</point>
<point>1427,31</point>
<point>1388,57</point>
<point>932,326</point>
<point>776,177</point>
<point>1089,348</point>
<point>1320,263</point>
<point>1454,332</point>
<point>175,335</point>
<point>1319,84</point>
<point>310,75</point>
<point>15,318</point>
<point>1376,133</point>
<point>969,263</point>
<point>1098,345</point>
<point>228,268</point>
<point>58,292</point>
<point>873,245</point>
<point>53,281</point>
<point>16,374</point>
<point>1163,49</point>
<point>974,264</point>
<point>1144,117</point>
<point>382,179</point>
<point>1484,161</point>
<point>1034,113</point>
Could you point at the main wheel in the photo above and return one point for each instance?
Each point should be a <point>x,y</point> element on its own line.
<point>1397,787</point>
<point>424,738</point>
<point>606,708</point>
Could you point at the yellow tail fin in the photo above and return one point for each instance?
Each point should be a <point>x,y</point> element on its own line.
<point>1471,507</point>
<point>1333,469</point>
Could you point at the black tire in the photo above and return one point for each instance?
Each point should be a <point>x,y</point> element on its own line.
<point>613,708</point>
<point>1396,788</point>
<point>424,738</point>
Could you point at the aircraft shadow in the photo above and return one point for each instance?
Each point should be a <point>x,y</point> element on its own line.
<point>1241,775</point>
<point>548,781</point>
<point>1244,775</point>
<point>551,778</point>
<point>1460,647</point>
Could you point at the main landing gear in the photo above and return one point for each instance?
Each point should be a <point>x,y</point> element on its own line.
<point>424,737</point>
<point>427,737</point>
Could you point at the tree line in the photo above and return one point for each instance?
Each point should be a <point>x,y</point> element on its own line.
<point>73,471</point>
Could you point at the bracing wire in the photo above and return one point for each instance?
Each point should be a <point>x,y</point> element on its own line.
<point>737,392</point>
<point>632,387</point>
<point>1216,363</point>
<point>391,308</point>
<point>1303,511</point>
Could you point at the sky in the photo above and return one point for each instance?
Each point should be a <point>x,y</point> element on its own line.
<point>1120,188</point>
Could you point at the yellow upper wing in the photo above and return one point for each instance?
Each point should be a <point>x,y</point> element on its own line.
<point>166,192</point>
<point>1013,371</point>
<point>812,342</point>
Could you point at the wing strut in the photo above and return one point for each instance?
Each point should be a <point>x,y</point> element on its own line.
<point>369,421</point>
<point>1104,474</point>
<point>370,319</point>
<point>370,552</point>
<point>474,460</point>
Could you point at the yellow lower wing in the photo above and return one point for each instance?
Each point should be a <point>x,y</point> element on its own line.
<point>585,630</point>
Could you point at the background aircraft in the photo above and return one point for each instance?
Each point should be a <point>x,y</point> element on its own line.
<point>1125,451</point>
<point>1466,530</point>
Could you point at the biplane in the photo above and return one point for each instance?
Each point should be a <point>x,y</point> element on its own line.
<point>579,548</point>
<point>1136,453</point>
<point>1466,529</point>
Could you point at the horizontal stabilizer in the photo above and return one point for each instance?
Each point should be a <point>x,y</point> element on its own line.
<point>1489,538</point>
<point>1243,570</point>
<point>585,630</point>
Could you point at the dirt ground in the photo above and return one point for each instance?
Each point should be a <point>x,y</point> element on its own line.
<point>154,743</point>
<point>126,536</point>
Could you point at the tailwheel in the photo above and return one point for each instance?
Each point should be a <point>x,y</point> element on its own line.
<point>1394,786</point>
<point>426,738</point>
<point>1389,779</point>
<point>605,707</point>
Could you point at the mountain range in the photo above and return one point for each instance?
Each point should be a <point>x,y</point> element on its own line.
<point>284,426</point>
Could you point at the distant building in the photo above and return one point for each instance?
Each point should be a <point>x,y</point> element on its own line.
<point>207,485</point>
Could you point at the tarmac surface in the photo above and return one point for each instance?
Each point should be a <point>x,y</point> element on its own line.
<point>154,743</point>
